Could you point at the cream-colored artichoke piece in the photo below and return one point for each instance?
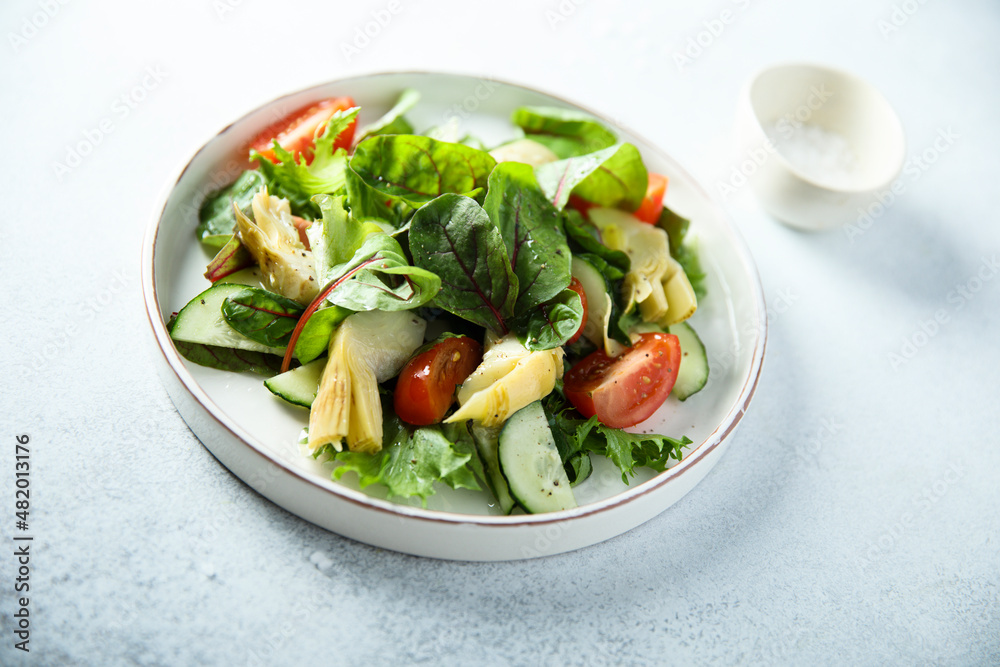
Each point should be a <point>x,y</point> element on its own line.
<point>367,348</point>
<point>655,281</point>
<point>271,237</point>
<point>524,150</point>
<point>509,378</point>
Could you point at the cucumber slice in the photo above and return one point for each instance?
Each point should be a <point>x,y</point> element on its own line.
<point>201,321</point>
<point>693,372</point>
<point>486,444</point>
<point>598,302</point>
<point>531,463</point>
<point>299,385</point>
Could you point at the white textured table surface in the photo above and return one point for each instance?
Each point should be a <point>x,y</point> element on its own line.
<point>854,520</point>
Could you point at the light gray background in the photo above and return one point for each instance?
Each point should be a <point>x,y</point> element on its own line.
<point>853,521</point>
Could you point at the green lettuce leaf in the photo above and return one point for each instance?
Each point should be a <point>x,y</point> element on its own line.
<point>411,461</point>
<point>262,316</point>
<point>626,450</point>
<point>217,221</point>
<point>565,132</point>
<point>531,232</point>
<point>297,181</point>
<point>392,122</point>
<point>454,237</point>
<point>336,236</point>
<point>614,177</point>
<point>416,169</point>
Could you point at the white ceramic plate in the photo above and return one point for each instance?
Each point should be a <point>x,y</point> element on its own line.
<point>255,435</point>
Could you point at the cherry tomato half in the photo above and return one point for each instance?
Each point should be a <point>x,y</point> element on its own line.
<point>295,133</point>
<point>652,205</point>
<point>627,389</point>
<point>425,388</point>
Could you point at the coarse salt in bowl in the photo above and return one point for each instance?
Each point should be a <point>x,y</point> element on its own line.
<point>832,143</point>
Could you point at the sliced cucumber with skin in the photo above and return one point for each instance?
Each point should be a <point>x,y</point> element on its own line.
<point>486,439</point>
<point>201,321</point>
<point>299,385</point>
<point>693,372</point>
<point>531,464</point>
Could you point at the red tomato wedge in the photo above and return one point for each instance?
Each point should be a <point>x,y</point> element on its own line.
<point>577,287</point>
<point>295,133</point>
<point>627,389</point>
<point>426,385</point>
<point>581,205</point>
<point>652,205</point>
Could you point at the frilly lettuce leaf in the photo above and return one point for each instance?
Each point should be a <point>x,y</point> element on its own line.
<point>297,181</point>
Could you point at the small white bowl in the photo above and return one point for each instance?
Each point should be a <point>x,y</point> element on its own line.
<point>822,143</point>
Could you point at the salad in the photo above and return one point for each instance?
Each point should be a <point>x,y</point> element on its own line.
<point>486,319</point>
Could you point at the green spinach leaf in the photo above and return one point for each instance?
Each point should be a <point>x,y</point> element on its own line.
<point>585,238</point>
<point>565,132</point>
<point>314,339</point>
<point>454,237</point>
<point>416,169</point>
<point>531,232</point>
<point>550,324</point>
<point>685,251</point>
<point>614,177</point>
<point>217,221</point>
<point>232,257</point>
<point>262,316</point>
<point>393,121</point>
<point>379,277</point>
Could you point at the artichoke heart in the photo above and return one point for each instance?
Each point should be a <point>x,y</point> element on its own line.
<point>272,239</point>
<point>524,150</point>
<point>368,348</point>
<point>656,281</point>
<point>509,378</point>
